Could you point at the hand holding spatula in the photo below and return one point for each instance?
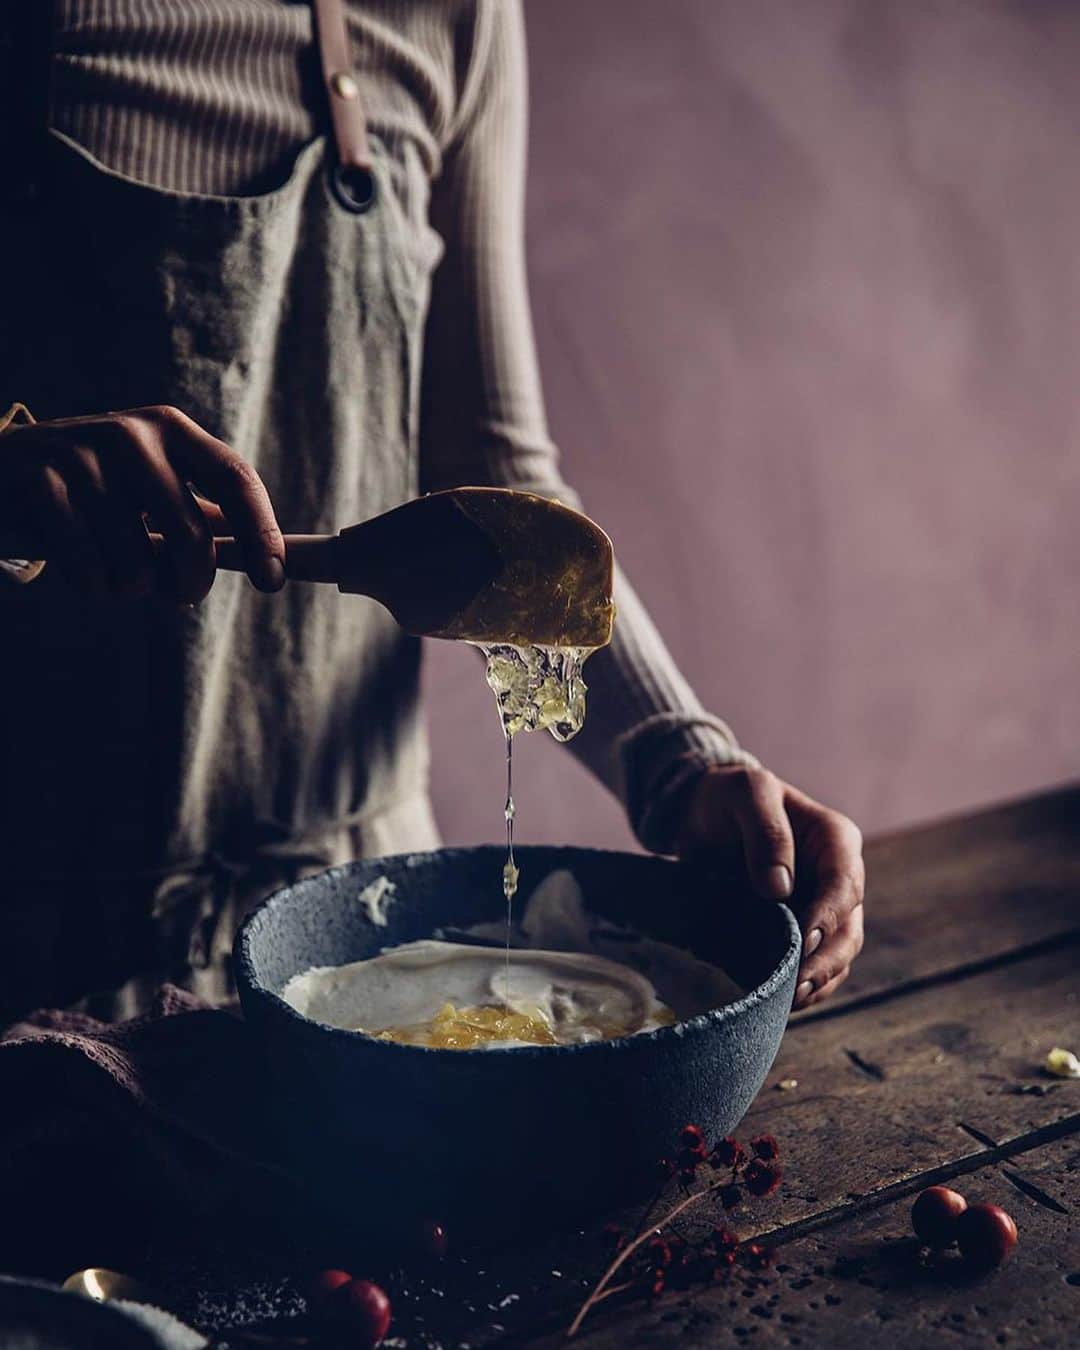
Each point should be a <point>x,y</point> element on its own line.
<point>487,565</point>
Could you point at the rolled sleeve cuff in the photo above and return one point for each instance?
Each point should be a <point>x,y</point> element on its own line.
<point>660,758</point>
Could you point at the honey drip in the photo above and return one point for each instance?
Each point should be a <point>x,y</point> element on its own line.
<point>510,869</point>
<point>536,687</point>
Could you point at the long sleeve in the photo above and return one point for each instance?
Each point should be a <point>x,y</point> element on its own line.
<point>483,422</point>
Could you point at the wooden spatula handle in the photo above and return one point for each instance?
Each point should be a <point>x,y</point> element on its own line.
<point>308,557</point>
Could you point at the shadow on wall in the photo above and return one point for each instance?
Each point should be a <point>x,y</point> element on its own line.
<point>805,281</point>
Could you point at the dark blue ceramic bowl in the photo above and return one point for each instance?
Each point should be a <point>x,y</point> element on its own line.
<point>488,1140</point>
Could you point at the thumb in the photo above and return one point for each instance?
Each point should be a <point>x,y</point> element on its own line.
<point>767,839</point>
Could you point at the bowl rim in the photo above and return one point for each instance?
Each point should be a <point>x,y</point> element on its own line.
<point>247,984</point>
<point>106,1315</point>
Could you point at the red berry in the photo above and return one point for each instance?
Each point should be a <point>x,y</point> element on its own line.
<point>762,1178</point>
<point>692,1137</point>
<point>728,1153</point>
<point>986,1235</point>
<point>364,1309</point>
<point>765,1146</point>
<point>321,1285</point>
<point>934,1215</point>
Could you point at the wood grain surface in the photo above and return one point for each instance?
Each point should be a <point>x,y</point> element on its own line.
<point>869,1283</point>
<point>965,892</point>
<point>929,1070</point>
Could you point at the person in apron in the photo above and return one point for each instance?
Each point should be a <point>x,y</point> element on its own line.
<point>167,762</point>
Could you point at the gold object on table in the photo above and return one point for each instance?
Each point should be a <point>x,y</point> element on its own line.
<point>102,1285</point>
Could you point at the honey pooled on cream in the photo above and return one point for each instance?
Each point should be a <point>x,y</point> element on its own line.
<point>472,1029</point>
<point>575,979</point>
<point>448,995</point>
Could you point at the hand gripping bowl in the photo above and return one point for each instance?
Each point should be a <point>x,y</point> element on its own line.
<point>487,1140</point>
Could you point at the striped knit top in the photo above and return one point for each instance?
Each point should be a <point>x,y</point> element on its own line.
<point>217,96</point>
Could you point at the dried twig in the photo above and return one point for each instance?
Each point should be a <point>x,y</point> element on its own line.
<point>735,1171</point>
<point>598,1292</point>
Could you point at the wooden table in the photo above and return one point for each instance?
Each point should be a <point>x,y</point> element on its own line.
<point>926,1068</point>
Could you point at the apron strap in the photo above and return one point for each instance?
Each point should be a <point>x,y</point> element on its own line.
<point>351,176</point>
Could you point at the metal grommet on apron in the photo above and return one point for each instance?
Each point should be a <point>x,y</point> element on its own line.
<point>352,181</point>
<point>353,188</point>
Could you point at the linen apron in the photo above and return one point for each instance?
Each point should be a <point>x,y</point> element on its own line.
<point>164,768</point>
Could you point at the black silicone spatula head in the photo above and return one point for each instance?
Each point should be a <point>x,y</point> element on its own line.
<point>486,565</point>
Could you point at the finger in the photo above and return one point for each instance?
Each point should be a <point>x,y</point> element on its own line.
<point>145,475</point>
<point>231,482</point>
<point>66,540</point>
<point>826,991</point>
<point>836,953</point>
<point>839,876</point>
<point>117,526</point>
<point>212,513</point>
<point>189,542</point>
<point>768,843</point>
<point>838,892</point>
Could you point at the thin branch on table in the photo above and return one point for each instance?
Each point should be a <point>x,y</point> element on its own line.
<point>599,1291</point>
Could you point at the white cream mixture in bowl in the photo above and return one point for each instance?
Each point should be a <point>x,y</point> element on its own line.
<point>541,1129</point>
<point>565,980</point>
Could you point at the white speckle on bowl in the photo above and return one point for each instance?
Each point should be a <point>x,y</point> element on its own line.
<point>376,897</point>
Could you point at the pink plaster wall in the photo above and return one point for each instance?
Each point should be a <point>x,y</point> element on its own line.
<point>807,291</point>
